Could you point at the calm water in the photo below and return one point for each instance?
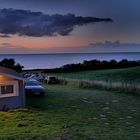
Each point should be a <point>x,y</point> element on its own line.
<point>31,61</point>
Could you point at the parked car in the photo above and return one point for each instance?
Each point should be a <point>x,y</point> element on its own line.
<point>26,75</point>
<point>34,88</point>
<point>41,78</point>
<point>51,80</point>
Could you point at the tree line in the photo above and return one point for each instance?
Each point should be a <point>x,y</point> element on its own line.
<point>84,66</point>
<point>94,65</point>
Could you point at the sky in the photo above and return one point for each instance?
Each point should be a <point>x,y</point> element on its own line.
<point>59,26</point>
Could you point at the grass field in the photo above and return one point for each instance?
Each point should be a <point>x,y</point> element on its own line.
<point>115,75</point>
<point>70,113</point>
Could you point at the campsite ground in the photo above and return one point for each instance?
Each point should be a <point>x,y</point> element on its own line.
<point>69,112</point>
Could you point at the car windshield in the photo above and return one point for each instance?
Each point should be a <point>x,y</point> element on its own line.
<point>32,83</point>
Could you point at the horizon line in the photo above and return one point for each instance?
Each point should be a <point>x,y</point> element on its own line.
<point>63,53</point>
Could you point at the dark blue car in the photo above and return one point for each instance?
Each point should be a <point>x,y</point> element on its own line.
<point>34,88</point>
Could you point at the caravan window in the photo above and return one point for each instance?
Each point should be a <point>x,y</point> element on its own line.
<point>8,88</point>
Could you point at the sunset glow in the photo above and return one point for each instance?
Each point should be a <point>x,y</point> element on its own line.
<point>91,22</point>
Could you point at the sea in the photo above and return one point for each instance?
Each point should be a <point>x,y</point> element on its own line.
<point>41,61</point>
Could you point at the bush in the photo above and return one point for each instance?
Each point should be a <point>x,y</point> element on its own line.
<point>10,63</point>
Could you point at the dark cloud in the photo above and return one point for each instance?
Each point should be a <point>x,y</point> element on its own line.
<point>37,24</point>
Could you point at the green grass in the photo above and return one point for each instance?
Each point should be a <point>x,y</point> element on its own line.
<point>115,75</point>
<point>74,114</point>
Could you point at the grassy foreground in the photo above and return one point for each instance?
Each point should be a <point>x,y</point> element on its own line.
<point>71,113</point>
<point>115,75</point>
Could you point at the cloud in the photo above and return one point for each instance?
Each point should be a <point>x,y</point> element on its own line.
<point>37,24</point>
<point>5,44</point>
<point>4,36</point>
<point>7,48</point>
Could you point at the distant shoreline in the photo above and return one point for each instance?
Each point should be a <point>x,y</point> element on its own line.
<point>56,60</point>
